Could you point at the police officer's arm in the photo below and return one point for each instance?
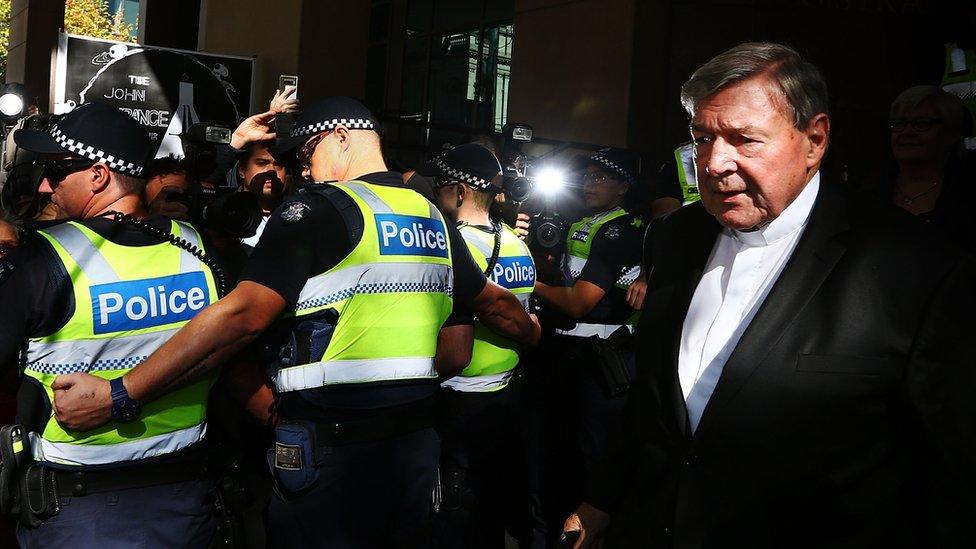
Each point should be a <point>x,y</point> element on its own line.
<point>83,402</point>
<point>494,306</point>
<point>608,257</point>
<point>455,343</point>
<point>575,301</point>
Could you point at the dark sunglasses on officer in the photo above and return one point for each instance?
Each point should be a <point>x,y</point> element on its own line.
<point>57,169</point>
<point>304,155</point>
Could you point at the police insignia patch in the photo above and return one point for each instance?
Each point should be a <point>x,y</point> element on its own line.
<point>294,212</point>
<point>612,232</point>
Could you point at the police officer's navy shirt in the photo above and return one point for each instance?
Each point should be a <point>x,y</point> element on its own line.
<point>292,251</point>
<point>38,299</point>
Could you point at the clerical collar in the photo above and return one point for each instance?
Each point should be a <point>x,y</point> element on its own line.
<point>793,218</point>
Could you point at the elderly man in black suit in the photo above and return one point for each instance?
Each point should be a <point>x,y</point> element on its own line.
<point>806,365</point>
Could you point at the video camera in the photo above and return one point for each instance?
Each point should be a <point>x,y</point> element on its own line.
<point>521,181</point>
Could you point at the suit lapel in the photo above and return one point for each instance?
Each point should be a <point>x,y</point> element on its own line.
<point>812,260</point>
<point>697,243</point>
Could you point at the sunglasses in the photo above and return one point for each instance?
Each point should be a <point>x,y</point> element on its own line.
<point>304,155</point>
<point>918,124</point>
<point>56,170</point>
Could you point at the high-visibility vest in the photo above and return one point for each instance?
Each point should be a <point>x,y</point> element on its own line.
<point>128,300</point>
<point>578,242</point>
<point>392,293</point>
<point>959,79</point>
<point>684,158</point>
<point>493,356</point>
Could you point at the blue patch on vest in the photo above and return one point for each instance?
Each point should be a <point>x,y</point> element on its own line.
<point>137,304</point>
<point>514,272</point>
<point>411,235</point>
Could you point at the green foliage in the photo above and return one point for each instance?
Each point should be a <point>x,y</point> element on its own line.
<point>84,17</point>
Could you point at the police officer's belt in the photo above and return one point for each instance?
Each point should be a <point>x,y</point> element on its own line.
<point>394,422</point>
<point>80,483</point>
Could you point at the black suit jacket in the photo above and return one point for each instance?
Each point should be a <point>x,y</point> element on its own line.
<point>843,418</point>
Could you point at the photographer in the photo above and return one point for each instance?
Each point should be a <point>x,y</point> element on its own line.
<point>593,362</point>
<point>167,184</point>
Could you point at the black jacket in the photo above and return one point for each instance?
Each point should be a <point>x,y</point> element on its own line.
<point>843,418</point>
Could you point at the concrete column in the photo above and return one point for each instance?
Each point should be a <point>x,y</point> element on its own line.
<point>33,45</point>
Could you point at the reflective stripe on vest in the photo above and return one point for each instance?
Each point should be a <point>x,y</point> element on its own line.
<point>603,331</point>
<point>479,384</point>
<point>128,300</point>
<point>493,357</point>
<point>65,453</point>
<point>392,292</point>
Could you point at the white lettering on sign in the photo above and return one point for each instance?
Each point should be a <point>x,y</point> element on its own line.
<point>148,117</point>
<point>126,94</point>
<point>140,80</point>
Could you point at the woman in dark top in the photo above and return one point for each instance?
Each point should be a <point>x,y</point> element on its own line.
<point>932,175</point>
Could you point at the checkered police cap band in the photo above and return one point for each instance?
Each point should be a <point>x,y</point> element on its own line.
<point>326,125</point>
<point>461,176</point>
<point>91,153</point>
<point>613,166</point>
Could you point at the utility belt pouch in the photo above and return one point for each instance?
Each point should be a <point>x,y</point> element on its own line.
<point>14,456</point>
<point>294,458</point>
<point>39,495</point>
<point>307,340</point>
<point>613,357</point>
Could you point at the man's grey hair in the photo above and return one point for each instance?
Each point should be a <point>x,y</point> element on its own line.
<point>801,83</point>
<point>951,109</point>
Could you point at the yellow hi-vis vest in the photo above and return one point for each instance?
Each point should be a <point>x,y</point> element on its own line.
<point>392,294</point>
<point>493,356</point>
<point>128,301</point>
<point>578,243</point>
<point>959,79</point>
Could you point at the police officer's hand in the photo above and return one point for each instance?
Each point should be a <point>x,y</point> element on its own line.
<point>635,292</point>
<point>255,128</point>
<point>522,225</point>
<point>590,522</point>
<point>82,401</point>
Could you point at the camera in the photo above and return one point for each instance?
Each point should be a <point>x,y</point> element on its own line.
<point>522,179</point>
<point>222,209</point>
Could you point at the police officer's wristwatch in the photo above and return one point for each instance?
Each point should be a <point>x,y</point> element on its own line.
<point>124,407</point>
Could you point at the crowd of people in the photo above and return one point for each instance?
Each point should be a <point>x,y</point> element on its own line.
<point>279,341</point>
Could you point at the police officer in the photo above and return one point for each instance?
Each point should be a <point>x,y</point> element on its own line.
<point>99,294</point>
<point>477,407</point>
<point>593,363</point>
<point>363,272</point>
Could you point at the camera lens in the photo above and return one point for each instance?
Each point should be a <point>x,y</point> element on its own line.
<point>547,235</point>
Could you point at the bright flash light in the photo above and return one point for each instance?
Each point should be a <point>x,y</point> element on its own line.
<point>550,180</point>
<point>11,104</point>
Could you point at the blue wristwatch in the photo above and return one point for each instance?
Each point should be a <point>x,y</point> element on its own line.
<point>124,407</point>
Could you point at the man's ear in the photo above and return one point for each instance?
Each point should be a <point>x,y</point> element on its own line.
<point>818,136</point>
<point>99,177</point>
<point>342,136</point>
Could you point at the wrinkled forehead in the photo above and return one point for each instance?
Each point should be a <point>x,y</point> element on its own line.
<point>923,109</point>
<point>753,102</point>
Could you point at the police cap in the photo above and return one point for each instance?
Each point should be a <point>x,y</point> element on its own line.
<point>95,131</point>
<point>471,164</point>
<point>621,162</point>
<point>324,115</point>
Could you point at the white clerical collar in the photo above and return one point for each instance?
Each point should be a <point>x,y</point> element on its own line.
<point>793,218</point>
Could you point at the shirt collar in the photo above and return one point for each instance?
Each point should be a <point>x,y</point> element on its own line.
<point>793,218</point>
